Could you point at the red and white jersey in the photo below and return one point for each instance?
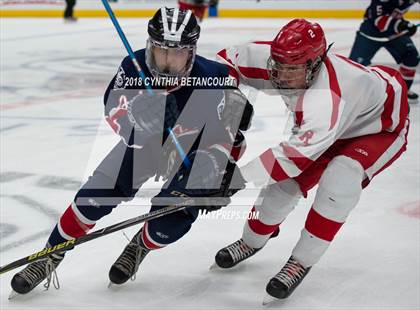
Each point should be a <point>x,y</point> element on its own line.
<point>347,100</point>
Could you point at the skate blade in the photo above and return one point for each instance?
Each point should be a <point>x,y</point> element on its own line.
<point>214,266</point>
<point>268,300</point>
<point>12,295</point>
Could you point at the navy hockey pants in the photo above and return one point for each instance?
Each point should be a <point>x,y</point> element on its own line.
<point>117,179</point>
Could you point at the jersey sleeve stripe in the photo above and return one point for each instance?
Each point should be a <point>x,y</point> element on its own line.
<point>301,161</point>
<point>231,67</point>
<point>388,107</point>
<point>394,151</point>
<point>356,64</point>
<point>386,117</point>
<point>272,166</point>
<point>254,73</point>
<point>299,110</point>
<point>382,22</point>
<point>402,103</point>
<point>223,54</point>
<point>335,91</point>
<point>263,42</point>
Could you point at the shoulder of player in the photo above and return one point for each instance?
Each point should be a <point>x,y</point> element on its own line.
<point>128,66</point>
<point>349,72</point>
<point>341,81</point>
<point>254,48</point>
<point>207,67</point>
<point>250,48</point>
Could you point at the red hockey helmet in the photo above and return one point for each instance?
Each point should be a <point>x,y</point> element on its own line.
<point>296,54</point>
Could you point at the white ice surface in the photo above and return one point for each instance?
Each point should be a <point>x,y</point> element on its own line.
<point>53,76</point>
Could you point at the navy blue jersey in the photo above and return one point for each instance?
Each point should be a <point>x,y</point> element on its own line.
<point>209,102</point>
<point>382,17</point>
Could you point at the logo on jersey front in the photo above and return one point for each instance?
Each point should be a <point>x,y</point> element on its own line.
<point>119,79</point>
<point>116,113</point>
<point>307,135</point>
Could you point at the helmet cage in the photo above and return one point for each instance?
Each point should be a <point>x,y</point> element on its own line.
<point>282,77</point>
<point>173,49</point>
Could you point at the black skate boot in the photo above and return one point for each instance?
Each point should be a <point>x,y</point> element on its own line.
<point>126,266</point>
<point>236,252</point>
<point>26,280</point>
<point>412,97</point>
<point>289,277</point>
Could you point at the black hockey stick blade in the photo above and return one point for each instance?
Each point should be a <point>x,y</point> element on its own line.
<point>70,244</point>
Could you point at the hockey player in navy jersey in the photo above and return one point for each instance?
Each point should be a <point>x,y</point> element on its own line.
<point>206,122</point>
<point>384,26</point>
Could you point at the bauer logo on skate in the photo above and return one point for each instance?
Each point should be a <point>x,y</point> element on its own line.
<point>46,251</point>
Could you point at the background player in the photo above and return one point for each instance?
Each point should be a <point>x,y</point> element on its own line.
<point>198,7</point>
<point>384,20</point>
<point>170,53</point>
<point>350,124</point>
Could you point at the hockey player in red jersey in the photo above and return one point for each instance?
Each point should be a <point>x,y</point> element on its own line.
<point>350,123</point>
<point>198,7</point>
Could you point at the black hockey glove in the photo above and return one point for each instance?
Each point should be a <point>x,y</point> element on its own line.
<point>405,25</point>
<point>210,184</point>
<point>138,116</point>
<point>147,111</point>
<point>237,112</point>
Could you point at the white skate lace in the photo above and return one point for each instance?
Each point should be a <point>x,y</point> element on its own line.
<point>239,250</point>
<point>51,275</point>
<point>291,273</point>
<point>132,256</point>
<point>40,270</point>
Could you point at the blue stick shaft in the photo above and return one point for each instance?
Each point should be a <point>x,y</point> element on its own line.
<point>125,42</point>
<point>179,147</point>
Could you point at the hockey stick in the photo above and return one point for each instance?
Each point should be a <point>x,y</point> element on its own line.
<point>70,244</point>
<point>385,39</point>
<point>126,43</point>
<point>141,74</point>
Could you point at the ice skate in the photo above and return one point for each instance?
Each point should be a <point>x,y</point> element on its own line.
<point>412,97</point>
<point>285,282</point>
<point>235,253</point>
<point>127,264</point>
<point>26,280</point>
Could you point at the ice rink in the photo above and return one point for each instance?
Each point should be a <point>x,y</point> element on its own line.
<point>53,76</point>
